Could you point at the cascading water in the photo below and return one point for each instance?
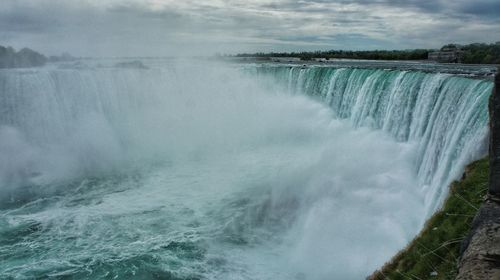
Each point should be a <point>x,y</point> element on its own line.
<point>446,116</point>
<point>208,172</point>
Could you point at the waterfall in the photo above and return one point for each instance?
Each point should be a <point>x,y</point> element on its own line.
<point>215,171</point>
<point>445,115</point>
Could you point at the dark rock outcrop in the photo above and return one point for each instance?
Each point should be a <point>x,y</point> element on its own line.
<point>494,109</point>
<point>480,253</point>
<point>480,259</point>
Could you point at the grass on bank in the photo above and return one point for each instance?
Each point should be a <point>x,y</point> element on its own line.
<point>434,253</point>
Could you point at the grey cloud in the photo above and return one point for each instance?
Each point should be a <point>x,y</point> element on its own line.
<point>424,5</point>
<point>19,18</point>
<point>108,27</point>
<point>481,8</point>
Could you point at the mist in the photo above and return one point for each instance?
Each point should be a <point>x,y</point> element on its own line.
<point>236,161</point>
<point>141,156</point>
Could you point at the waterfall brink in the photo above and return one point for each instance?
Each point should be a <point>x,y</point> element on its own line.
<point>445,115</point>
<point>223,171</point>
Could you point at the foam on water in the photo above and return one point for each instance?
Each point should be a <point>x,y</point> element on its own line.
<point>206,172</point>
<point>443,115</point>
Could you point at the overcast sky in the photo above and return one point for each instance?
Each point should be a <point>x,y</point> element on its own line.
<point>192,27</point>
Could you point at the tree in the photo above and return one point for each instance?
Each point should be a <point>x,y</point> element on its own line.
<point>9,58</point>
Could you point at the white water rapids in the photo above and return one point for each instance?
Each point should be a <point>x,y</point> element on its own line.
<point>214,172</point>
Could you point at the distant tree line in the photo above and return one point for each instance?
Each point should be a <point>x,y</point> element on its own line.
<point>374,55</point>
<point>9,58</point>
<point>481,53</point>
<point>474,53</point>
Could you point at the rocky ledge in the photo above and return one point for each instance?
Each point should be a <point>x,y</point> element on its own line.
<point>480,257</point>
<point>481,249</point>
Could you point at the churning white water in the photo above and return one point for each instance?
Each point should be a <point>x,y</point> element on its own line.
<point>202,172</point>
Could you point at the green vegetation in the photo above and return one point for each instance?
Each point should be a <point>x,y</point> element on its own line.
<point>434,253</point>
<point>375,55</point>
<point>481,53</point>
<point>476,53</point>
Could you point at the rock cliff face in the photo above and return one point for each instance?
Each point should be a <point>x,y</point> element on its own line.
<point>494,108</point>
<point>480,258</point>
<point>9,58</point>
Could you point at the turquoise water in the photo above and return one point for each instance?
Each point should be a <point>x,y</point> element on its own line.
<point>210,171</point>
<point>446,116</point>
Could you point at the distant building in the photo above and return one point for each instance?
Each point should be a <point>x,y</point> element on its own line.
<point>447,55</point>
<point>285,59</point>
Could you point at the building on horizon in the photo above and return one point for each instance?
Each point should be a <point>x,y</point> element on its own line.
<point>448,54</point>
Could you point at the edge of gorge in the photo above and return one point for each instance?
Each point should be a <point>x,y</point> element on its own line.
<point>462,240</point>
<point>480,258</point>
<point>435,252</point>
